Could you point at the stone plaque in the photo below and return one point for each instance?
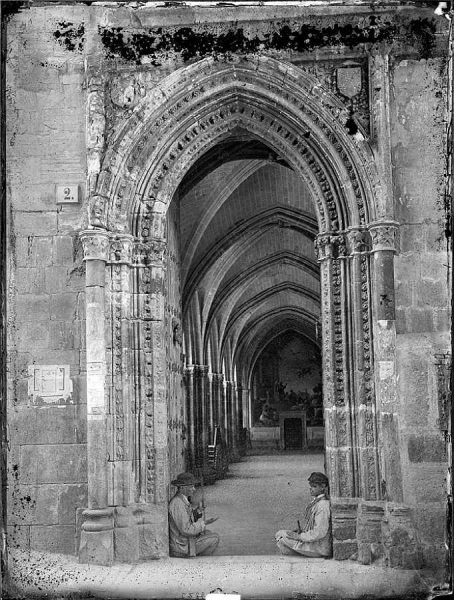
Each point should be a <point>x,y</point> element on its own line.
<point>49,384</point>
<point>349,81</point>
<point>67,194</point>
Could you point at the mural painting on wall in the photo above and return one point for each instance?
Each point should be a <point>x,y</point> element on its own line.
<point>288,377</point>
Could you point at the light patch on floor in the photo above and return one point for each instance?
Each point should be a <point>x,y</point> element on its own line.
<point>259,496</point>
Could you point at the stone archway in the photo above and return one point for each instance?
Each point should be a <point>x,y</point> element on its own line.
<point>131,185</point>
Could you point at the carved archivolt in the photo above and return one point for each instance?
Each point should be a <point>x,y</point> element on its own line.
<point>196,107</point>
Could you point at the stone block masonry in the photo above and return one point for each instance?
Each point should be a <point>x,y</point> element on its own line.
<point>46,310</point>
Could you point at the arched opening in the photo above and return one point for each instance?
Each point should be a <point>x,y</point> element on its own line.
<point>242,225</point>
<point>205,214</point>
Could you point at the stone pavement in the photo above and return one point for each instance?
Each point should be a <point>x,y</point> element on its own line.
<point>259,496</point>
<point>35,574</point>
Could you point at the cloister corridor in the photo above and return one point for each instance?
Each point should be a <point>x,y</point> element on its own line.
<point>260,495</point>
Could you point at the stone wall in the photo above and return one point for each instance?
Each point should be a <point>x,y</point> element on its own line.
<point>422,301</point>
<point>46,301</point>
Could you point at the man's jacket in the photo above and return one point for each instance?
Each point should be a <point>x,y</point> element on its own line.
<point>316,529</point>
<point>182,525</point>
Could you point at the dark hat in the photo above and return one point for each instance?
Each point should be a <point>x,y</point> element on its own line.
<point>184,479</point>
<point>318,478</point>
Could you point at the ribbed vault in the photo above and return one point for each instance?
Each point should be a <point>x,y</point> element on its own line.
<point>249,272</point>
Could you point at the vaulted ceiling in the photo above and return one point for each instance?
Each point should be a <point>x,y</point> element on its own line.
<point>249,273</point>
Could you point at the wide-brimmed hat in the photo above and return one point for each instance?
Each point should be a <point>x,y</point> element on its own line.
<point>185,479</point>
<point>318,478</point>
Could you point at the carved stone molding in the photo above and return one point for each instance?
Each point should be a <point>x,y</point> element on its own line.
<point>95,244</point>
<point>157,118</point>
<point>384,235</point>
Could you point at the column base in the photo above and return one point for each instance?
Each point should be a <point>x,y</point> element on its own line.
<point>96,537</point>
<point>376,532</point>
<point>125,534</point>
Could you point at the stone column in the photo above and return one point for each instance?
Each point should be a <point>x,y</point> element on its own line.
<point>200,416</point>
<point>96,543</point>
<point>363,406</point>
<point>121,492</point>
<point>157,475</point>
<point>151,388</point>
<point>217,383</point>
<point>384,236</point>
<point>239,403</point>
<point>229,414</point>
<point>336,375</point>
<point>190,411</point>
<point>235,426</point>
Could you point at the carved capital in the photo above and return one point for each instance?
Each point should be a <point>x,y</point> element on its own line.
<point>339,245</point>
<point>218,378</point>
<point>323,246</point>
<point>139,254</point>
<point>200,371</point>
<point>358,240</point>
<point>156,252</point>
<point>384,236</point>
<point>121,249</point>
<point>95,244</point>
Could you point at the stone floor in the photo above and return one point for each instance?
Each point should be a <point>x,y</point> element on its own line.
<point>260,495</point>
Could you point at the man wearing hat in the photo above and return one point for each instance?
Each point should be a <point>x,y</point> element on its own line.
<point>314,537</point>
<point>188,536</point>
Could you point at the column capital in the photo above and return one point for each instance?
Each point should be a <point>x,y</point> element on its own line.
<point>384,235</point>
<point>95,243</point>
<point>323,246</point>
<point>121,247</point>
<point>218,377</point>
<point>200,370</point>
<point>156,251</point>
<point>359,240</point>
<point>330,245</point>
<point>148,252</point>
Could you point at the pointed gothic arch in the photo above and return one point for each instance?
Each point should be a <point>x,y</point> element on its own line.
<point>131,187</point>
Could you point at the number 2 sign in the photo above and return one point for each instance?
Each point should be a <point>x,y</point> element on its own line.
<point>67,194</point>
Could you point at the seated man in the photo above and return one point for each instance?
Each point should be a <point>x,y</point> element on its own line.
<point>188,536</point>
<point>314,538</point>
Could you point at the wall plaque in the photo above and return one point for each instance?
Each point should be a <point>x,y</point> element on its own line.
<point>49,384</point>
<point>67,194</point>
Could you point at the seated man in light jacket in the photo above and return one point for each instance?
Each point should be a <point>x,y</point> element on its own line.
<point>314,538</point>
<point>188,536</point>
